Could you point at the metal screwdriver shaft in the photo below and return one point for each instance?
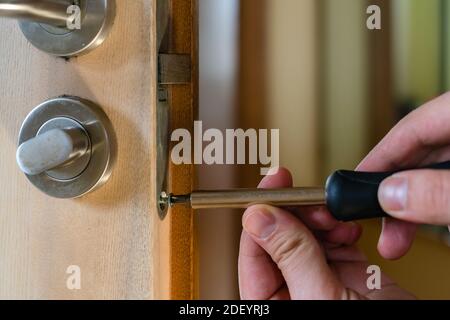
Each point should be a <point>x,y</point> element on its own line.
<point>348,195</point>
<point>244,198</point>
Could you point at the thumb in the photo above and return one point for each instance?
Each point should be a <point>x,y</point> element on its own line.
<point>295,251</point>
<point>420,196</point>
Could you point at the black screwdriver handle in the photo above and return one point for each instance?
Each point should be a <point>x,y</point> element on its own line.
<point>352,195</point>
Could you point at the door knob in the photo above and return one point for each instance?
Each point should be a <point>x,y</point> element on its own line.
<point>67,147</point>
<point>50,25</point>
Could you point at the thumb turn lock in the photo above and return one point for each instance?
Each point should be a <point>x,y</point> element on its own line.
<point>55,148</point>
<point>67,147</point>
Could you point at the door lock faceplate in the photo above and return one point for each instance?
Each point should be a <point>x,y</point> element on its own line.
<point>173,69</point>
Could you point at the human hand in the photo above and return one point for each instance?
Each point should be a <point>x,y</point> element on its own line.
<point>419,196</point>
<point>303,254</point>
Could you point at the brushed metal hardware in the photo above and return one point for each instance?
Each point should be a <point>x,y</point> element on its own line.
<point>174,69</point>
<point>162,23</point>
<point>67,147</point>
<point>45,24</point>
<point>48,12</point>
<point>52,149</point>
<point>244,198</point>
<point>162,148</point>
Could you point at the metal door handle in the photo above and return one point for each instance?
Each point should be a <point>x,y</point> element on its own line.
<point>44,11</point>
<point>51,25</point>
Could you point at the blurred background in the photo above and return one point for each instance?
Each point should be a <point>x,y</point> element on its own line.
<point>334,88</point>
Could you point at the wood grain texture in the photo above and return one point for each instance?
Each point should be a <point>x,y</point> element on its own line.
<point>180,223</point>
<point>113,234</point>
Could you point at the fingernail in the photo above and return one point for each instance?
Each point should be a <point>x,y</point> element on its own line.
<point>393,193</point>
<point>260,224</point>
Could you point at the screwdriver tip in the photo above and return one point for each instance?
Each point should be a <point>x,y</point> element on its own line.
<point>171,199</point>
<point>179,199</point>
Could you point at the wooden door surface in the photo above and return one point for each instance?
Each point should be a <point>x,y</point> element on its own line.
<point>114,235</point>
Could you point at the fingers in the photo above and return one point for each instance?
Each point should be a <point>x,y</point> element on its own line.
<point>420,138</point>
<point>343,234</point>
<point>317,218</point>
<point>281,179</point>
<point>259,277</point>
<point>421,196</point>
<point>412,139</point>
<point>295,251</point>
<point>349,254</point>
<point>396,238</point>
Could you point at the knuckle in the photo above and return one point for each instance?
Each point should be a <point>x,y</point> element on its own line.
<point>434,198</point>
<point>287,247</point>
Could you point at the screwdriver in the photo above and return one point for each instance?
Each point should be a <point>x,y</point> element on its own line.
<point>348,195</point>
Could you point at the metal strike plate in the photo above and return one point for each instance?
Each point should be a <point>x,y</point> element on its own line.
<point>83,126</point>
<point>173,69</point>
<point>97,18</point>
<point>162,149</point>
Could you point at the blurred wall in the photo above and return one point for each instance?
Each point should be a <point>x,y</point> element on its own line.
<point>416,49</point>
<point>218,230</point>
<point>423,271</point>
<point>292,80</point>
<point>253,85</point>
<point>344,86</point>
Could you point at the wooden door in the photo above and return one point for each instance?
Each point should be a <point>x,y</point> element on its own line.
<point>114,234</point>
